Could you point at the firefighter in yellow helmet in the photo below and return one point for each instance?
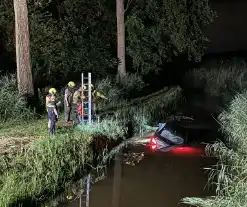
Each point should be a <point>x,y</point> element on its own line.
<point>76,102</point>
<point>69,91</point>
<point>51,110</point>
<point>95,96</point>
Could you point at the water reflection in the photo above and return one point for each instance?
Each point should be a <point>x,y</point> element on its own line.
<point>117,180</point>
<point>160,179</point>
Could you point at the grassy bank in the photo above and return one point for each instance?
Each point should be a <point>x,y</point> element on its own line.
<point>49,164</point>
<point>43,167</point>
<point>230,172</point>
<point>222,79</point>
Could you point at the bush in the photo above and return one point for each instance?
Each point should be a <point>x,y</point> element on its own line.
<point>230,172</point>
<point>144,111</point>
<point>12,106</point>
<point>115,89</point>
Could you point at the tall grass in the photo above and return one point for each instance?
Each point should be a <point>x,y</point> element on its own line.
<point>118,92</point>
<point>230,172</point>
<point>49,164</point>
<point>138,112</point>
<point>12,106</point>
<point>115,89</point>
<point>111,128</point>
<point>147,110</point>
<point>223,79</point>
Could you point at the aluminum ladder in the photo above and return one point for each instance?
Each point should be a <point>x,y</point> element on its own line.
<point>84,198</point>
<point>86,119</point>
<point>87,103</point>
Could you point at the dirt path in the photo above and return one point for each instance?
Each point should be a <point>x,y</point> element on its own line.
<point>12,145</point>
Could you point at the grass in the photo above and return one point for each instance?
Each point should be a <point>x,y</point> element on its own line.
<point>49,164</point>
<point>230,172</point>
<point>224,79</point>
<point>43,166</point>
<point>13,107</point>
<point>147,110</point>
<point>33,128</point>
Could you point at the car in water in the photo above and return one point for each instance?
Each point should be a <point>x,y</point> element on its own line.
<point>179,135</point>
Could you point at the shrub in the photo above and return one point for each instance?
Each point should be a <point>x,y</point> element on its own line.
<point>115,89</point>
<point>230,172</point>
<point>141,112</point>
<point>12,106</point>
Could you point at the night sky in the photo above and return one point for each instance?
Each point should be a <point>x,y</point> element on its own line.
<point>229,30</point>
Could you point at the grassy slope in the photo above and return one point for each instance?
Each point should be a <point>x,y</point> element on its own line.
<point>48,164</point>
<point>230,172</point>
<point>221,80</point>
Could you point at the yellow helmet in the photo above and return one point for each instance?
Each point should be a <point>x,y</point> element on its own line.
<point>85,87</point>
<point>71,84</point>
<point>53,91</point>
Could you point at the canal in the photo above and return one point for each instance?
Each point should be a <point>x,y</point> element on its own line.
<point>159,179</point>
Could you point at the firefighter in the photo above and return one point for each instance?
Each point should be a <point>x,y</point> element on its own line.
<point>95,96</point>
<point>76,101</point>
<point>51,110</point>
<point>68,100</point>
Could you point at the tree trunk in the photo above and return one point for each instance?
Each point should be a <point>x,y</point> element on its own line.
<point>24,71</point>
<point>120,38</point>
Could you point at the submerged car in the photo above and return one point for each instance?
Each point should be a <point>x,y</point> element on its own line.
<point>167,136</point>
<point>178,134</point>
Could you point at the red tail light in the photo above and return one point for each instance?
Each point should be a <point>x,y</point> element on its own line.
<point>153,143</point>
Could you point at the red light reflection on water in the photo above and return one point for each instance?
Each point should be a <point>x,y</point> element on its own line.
<point>188,150</point>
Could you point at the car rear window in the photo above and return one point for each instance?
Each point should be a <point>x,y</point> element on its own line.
<point>175,128</point>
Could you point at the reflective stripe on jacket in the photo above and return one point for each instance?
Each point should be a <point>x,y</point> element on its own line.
<point>50,101</point>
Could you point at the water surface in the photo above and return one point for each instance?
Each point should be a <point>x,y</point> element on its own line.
<point>160,179</point>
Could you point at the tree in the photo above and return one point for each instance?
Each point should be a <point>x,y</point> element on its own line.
<point>120,38</point>
<point>24,71</point>
<point>157,30</point>
<point>82,40</point>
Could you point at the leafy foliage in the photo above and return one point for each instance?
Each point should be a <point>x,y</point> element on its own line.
<point>69,37</point>
<point>158,30</point>
<point>80,42</point>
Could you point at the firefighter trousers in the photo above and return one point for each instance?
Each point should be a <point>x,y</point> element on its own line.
<point>52,118</point>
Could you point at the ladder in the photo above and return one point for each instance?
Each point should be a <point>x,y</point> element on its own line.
<point>84,198</point>
<point>87,103</point>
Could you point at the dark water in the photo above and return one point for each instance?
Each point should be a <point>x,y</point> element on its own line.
<point>160,179</point>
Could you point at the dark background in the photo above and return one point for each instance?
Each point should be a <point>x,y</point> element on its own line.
<point>229,30</point>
